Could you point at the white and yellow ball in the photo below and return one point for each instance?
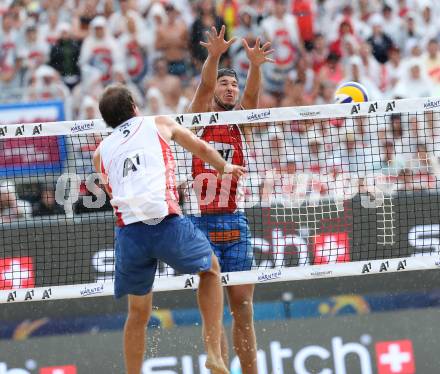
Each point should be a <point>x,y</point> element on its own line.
<point>351,92</point>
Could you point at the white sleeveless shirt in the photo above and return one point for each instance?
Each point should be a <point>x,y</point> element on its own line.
<point>140,168</point>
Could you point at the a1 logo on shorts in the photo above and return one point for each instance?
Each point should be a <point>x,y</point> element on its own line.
<point>395,357</point>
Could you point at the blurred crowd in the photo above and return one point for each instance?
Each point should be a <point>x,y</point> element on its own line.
<point>72,49</point>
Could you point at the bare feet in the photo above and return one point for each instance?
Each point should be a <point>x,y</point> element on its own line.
<point>216,365</point>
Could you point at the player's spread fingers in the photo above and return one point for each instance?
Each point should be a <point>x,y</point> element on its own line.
<point>222,32</point>
<point>257,42</point>
<point>269,52</point>
<point>245,44</point>
<point>266,45</point>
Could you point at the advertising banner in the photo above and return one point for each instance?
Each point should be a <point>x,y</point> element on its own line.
<point>289,237</point>
<point>28,156</point>
<point>382,343</point>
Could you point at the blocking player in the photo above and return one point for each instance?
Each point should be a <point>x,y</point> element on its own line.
<point>137,168</point>
<point>221,219</point>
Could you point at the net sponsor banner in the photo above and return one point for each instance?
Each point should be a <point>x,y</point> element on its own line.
<point>398,343</point>
<point>23,155</point>
<point>25,127</point>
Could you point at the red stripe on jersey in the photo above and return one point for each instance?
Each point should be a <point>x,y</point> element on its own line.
<point>119,220</point>
<point>171,195</point>
<point>227,139</point>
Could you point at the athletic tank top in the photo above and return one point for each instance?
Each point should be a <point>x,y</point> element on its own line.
<point>140,168</point>
<point>219,195</point>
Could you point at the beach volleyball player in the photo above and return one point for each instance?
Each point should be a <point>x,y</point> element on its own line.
<point>221,219</point>
<point>137,169</point>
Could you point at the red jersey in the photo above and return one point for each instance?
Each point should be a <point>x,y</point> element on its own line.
<point>218,195</point>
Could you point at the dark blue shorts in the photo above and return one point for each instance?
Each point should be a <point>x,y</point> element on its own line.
<point>139,246</point>
<point>230,239</point>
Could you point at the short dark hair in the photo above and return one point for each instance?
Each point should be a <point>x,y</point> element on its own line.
<point>226,72</point>
<point>116,105</point>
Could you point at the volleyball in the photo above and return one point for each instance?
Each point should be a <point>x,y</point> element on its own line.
<point>350,92</point>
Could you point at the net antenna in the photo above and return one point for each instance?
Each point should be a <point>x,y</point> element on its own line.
<point>331,190</point>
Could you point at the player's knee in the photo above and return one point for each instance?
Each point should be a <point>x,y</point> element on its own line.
<point>139,316</point>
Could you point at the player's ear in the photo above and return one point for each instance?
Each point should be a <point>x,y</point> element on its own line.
<point>136,110</point>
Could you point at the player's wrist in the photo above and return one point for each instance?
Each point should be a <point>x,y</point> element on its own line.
<point>228,168</point>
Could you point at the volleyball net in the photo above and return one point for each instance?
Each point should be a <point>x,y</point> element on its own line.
<point>331,190</point>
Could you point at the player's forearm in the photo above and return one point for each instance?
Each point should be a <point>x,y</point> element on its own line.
<point>209,72</point>
<point>212,157</point>
<point>252,89</point>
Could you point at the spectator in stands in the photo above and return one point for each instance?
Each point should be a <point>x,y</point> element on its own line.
<point>295,93</point>
<point>154,103</point>
<point>172,40</point>
<point>90,85</point>
<point>326,93</point>
<point>120,76</point>
<point>414,81</point>
<point>11,207</point>
<point>117,23</point>
<point>89,108</point>
<point>393,70</point>
<point>11,58</point>
<point>391,23</point>
<point>35,49</point>
<point>64,56</point>
<point>391,163</point>
<point>431,59</point>
<point>169,85</point>
<point>356,72</point>
<point>332,70</point>
<point>380,42</point>
<point>248,26</point>
<point>371,69</point>
<point>427,22</point>
<point>46,84</point>
<point>314,160</point>
<point>47,205</point>
<point>100,49</point>
<point>319,52</point>
<point>408,31</point>
<point>280,28</point>
<point>206,18</point>
<point>49,31</point>
<point>137,47</point>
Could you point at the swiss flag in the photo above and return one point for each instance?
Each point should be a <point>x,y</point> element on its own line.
<point>395,357</point>
<point>331,248</point>
<point>16,272</point>
<point>68,369</point>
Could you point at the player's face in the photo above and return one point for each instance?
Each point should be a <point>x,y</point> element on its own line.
<point>227,90</point>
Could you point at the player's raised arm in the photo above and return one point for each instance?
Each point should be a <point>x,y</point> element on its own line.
<point>258,55</point>
<point>216,46</point>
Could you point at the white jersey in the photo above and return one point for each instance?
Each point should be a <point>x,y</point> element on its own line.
<point>140,166</point>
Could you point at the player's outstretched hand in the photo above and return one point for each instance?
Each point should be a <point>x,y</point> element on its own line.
<point>258,54</point>
<point>216,43</point>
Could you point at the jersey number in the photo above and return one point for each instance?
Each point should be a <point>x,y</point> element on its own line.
<point>225,153</point>
<point>131,164</point>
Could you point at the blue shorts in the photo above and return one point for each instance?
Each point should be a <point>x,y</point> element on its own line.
<point>139,246</point>
<point>230,239</point>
